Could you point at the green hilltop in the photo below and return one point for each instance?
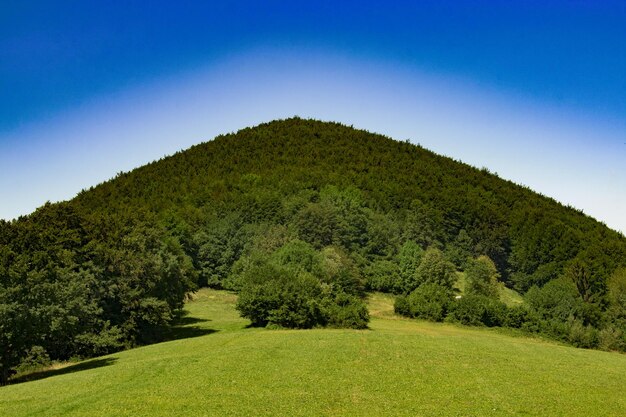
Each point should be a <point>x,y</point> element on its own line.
<point>302,219</point>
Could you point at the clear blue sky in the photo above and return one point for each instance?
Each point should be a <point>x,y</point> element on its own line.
<point>535,90</point>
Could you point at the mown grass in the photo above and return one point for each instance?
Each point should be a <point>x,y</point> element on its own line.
<point>398,367</point>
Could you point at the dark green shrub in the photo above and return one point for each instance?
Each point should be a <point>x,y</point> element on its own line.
<point>36,358</point>
<point>611,338</point>
<point>401,306</point>
<point>288,295</point>
<point>273,295</point>
<point>558,300</point>
<point>346,311</point>
<point>521,317</point>
<point>582,336</point>
<point>408,259</point>
<point>435,269</point>
<point>429,302</point>
<point>478,310</point>
<point>340,272</point>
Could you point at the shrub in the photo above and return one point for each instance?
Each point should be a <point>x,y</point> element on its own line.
<point>409,258</point>
<point>346,311</point>
<point>273,295</point>
<point>401,306</point>
<point>582,336</point>
<point>478,310</point>
<point>428,301</point>
<point>558,300</point>
<point>36,358</point>
<point>611,338</point>
<point>340,271</point>
<point>289,296</point>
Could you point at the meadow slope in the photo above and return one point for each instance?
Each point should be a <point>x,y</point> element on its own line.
<point>398,367</point>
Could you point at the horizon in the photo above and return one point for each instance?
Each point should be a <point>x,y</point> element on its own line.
<point>534,93</point>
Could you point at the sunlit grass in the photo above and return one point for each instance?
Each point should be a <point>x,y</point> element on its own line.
<point>397,367</point>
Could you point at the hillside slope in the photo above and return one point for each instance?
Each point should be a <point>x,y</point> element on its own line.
<point>398,367</point>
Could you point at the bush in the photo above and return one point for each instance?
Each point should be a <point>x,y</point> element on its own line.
<point>521,317</point>
<point>478,310</point>
<point>401,306</point>
<point>435,269</point>
<point>35,359</point>
<point>408,259</point>
<point>273,295</point>
<point>582,336</point>
<point>611,338</point>
<point>429,302</point>
<point>346,311</point>
<point>558,300</point>
<point>287,296</point>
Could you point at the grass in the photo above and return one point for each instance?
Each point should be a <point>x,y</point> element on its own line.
<point>398,367</point>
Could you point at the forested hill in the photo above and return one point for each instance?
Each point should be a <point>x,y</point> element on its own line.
<point>272,172</point>
<point>303,210</point>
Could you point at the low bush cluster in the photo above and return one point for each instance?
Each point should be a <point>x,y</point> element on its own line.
<point>299,287</point>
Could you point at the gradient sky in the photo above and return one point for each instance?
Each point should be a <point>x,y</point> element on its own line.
<point>534,91</point>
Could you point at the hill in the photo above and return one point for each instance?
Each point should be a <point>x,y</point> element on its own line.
<point>301,218</point>
<point>399,367</point>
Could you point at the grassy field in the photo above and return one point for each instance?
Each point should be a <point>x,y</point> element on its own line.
<point>398,367</point>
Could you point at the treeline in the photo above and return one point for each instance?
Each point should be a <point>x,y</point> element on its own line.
<point>564,309</point>
<point>300,217</point>
<point>80,286</point>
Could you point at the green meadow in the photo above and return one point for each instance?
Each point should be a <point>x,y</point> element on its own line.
<point>217,366</point>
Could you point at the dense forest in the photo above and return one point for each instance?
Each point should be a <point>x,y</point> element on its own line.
<point>302,218</point>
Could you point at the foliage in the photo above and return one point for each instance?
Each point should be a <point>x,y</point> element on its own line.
<point>382,275</point>
<point>111,268</point>
<point>299,287</point>
<point>408,259</point>
<point>435,269</point>
<point>429,301</point>
<point>478,310</point>
<point>482,277</point>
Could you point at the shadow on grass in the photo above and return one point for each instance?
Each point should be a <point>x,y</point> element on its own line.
<point>183,328</point>
<point>46,373</point>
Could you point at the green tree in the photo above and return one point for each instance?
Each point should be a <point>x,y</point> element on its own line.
<point>409,258</point>
<point>460,251</point>
<point>482,277</point>
<point>435,269</point>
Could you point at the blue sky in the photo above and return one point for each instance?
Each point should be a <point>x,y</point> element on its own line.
<point>535,91</point>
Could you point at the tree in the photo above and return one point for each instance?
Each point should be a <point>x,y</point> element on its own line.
<point>461,250</point>
<point>409,258</point>
<point>482,277</point>
<point>434,268</point>
<point>383,276</point>
<point>317,224</point>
